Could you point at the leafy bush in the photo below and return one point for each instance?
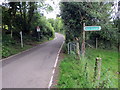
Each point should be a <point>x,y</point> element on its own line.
<point>7,40</point>
<point>46,28</point>
<point>5,51</point>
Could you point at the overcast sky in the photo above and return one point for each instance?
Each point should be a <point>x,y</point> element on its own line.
<point>56,10</point>
<point>53,3</point>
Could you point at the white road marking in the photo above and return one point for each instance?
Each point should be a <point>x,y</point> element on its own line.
<point>53,71</point>
<point>51,80</point>
<point>56,61</point>
<point>50,83</point>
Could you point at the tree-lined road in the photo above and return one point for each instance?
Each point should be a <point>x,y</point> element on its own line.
<point>31,69</point>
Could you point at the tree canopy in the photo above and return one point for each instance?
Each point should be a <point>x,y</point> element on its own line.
<point>74,14</point>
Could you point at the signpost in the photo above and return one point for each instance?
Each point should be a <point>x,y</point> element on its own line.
<point>92,28</point>
<point>88,28</point>
<point>38,30</point>
<point>21,39</point>
<point>83,42</point>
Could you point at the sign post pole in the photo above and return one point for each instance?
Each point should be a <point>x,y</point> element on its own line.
<point>38,30</point>
<point>83,42</point>
<point>88,28</point>
<point>39,36</point>
<point>21,39</point>
<point>96,43</point>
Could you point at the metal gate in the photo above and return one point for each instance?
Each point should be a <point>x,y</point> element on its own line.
<point>71,47</point>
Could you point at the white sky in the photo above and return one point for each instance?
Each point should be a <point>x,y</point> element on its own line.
<point>56,10</point>
<point>53,3</point>
<point>115,9</point>
<point>1,2</point>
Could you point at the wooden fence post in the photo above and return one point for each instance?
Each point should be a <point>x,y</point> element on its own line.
<point>77,48</point>
<point>96,43</point>
<point>69,48</point>
<point>97,68</point>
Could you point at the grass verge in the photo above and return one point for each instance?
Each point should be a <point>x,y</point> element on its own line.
<point>80,73</point>
<point>11,46</point>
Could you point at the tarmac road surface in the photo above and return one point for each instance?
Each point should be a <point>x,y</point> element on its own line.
<point>33,68</point>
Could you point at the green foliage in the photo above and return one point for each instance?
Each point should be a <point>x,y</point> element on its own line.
<point>52,21</point>
<point>24,16</point>
<point>65,48</point>
<point>6,40</point>
<point>11,46</point>
<point>74,14</point>
<point>5,51</point>
<point>49,9</point>
<point>57,24</point>
<point>81,72</point>
<point>46,27</point>
<point>59,27</point>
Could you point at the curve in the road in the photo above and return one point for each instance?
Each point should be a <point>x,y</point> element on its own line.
<point>32,69</point>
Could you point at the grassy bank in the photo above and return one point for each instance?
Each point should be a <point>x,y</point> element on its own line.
<point>12,46</point>
<point>80,73</point>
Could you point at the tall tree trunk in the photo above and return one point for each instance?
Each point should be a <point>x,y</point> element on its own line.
<point>11,33</point>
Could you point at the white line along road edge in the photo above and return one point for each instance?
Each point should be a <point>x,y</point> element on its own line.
<point>51,80</point>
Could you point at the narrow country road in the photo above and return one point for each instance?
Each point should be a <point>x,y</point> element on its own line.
<point>32,69</point>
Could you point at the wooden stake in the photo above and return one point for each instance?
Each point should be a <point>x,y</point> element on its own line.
<point>97,68</point>
<point>68,49</point>
<point>78,50</point>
